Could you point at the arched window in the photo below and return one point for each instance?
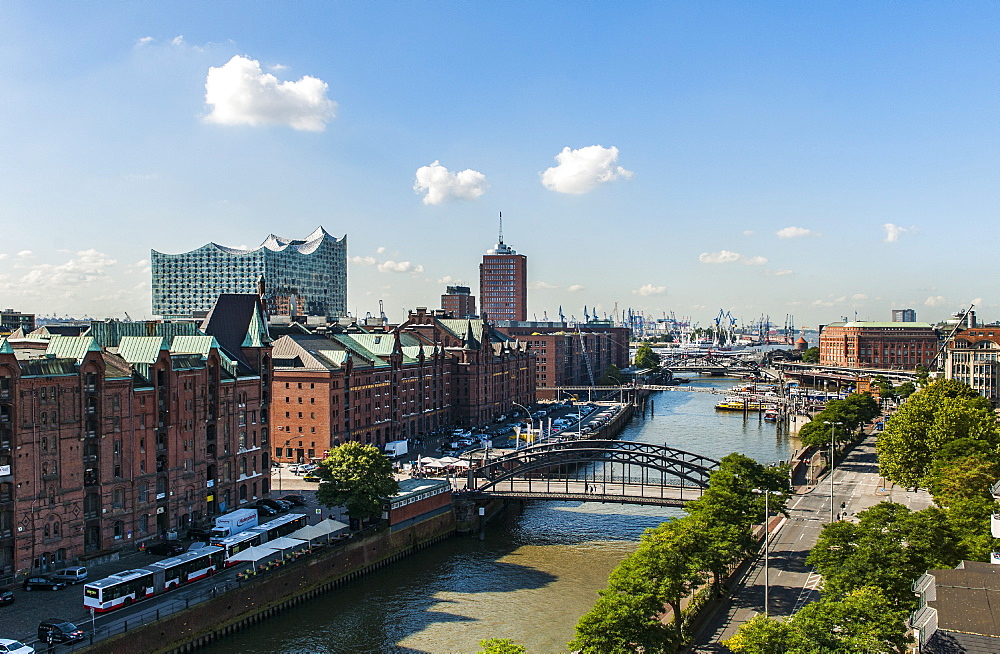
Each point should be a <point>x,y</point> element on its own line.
<point>45,531</point>
<point>55,529</point>
<point>243,492</point>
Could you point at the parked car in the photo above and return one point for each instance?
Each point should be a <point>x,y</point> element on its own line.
<point>8,646</point>
<point>57,630</point>
<point>162,549</point>
<point>45,583</point>
<point>264,510</point>
<point>312,477</point>
<point>201,535</point>
<point>72,575</point>
<point>296,500</point>
<point>6,597</point>
<point>277,505</point>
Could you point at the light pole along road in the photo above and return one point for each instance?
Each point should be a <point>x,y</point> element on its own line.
<point>793,583</point>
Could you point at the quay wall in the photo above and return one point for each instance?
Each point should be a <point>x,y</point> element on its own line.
<point>270,593</point>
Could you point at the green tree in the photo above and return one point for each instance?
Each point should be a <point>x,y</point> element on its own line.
<point>864,622</point>
<point>612,376</point>
<point>888,548</point>
<point>357,477</point>
<point>622,623</point>
<point>500,646</point>
<point>905,390</point>
<point>645,357</point>
<point>961,486</point>
<point>810,355</point>
<point>944,411</point>
<point>762,635</point>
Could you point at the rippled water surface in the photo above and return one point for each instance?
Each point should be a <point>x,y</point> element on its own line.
<point>531,579</point>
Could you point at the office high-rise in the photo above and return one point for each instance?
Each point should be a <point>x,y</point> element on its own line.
<point>503,283</point>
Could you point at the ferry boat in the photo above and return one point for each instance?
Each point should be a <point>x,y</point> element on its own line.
<point>739,405</point>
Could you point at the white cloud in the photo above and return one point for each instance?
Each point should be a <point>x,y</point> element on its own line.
<point>442,185</point>
<point>978,301</point>
<point>935,301</point>
<point>539,284</point>
<point>726,256</point>
<point>146,40</point>
<point>823,303</point>
<point>399,267</point>
<point>88,267</point>
<point>859,296</point>
<point>795,232</point>
<point>177,40</point>
<point>364,261</point>
<point>748,232</point>
<point>25,254</point>
<point>575,288</point>
<point>579,171</point>
<point>380,249</point>
<point>893,232</point>
<point>649,289</point>
<point>778,273</point>
<point>240,93</point>
<point>3,255</point>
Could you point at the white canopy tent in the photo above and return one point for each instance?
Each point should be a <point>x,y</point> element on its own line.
<point>321,531</point>
<point>286,544</point>
<point>257,554</point>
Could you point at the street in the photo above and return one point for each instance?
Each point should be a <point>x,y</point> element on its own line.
<point>792,583</point>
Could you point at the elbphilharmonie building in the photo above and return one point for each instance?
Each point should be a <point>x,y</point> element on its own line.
<point>305,277</point>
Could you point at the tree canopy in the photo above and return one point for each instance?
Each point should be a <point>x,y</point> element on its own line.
<point>811,355</point>
<point>500,646</point>
<point>645,357</point>
<point>852,412</point>
<point>863,622</point>
<point>887,548</point>
<point>357,477</point>
<point>944,411</point>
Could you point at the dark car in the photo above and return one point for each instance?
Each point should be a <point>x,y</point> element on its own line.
<point>6,597</point>
<point>45,583</point>
<point>277,505</point>
<point>163,549</point>
<point>57,630</point>
<point>264,510</point>
<point>202,535</point>
<point>295,500</point>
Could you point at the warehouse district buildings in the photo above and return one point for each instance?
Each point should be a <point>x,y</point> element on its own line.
<point>127,431</point>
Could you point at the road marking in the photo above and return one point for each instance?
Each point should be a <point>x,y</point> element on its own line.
<point>809,588</point>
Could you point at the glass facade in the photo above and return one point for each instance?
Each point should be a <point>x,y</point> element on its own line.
<point>304,277</point>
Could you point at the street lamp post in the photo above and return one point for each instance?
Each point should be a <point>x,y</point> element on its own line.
<point>767,537</point>
<point>279,463</point>
<point>832,425</point>
<point>517,436</point>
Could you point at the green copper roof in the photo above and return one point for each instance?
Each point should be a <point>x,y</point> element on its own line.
<point>141,349</point>
<point>5,347</point>
<point>358,349</point>
<point>71,347</point>
<point>110,333</point>
<point>193,345</point>
<point>257,335</point>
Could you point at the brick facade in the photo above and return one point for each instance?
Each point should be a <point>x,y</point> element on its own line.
<point>883,346</point>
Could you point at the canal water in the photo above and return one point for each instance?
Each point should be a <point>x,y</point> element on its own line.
<point>530,580</point>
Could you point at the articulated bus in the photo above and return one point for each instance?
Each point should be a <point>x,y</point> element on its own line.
<point>232,545</point>
<point>129,586</point>
<point>281,526</point>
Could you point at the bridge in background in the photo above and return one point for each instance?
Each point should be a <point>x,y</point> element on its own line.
<point>623,472</point>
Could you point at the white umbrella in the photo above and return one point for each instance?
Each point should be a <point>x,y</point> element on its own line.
<point>449,459</point>
<point>436,464</point>
<point>462,464</point>
<point>426,459</point>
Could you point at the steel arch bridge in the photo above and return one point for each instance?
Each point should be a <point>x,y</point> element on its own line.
<point>624,472</point>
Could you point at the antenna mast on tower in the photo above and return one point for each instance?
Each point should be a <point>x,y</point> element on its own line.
<point>501,226</point>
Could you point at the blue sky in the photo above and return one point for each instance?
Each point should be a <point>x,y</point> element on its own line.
<point>814,159</point>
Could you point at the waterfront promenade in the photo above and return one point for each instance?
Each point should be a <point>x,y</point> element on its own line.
<point>856,482</point>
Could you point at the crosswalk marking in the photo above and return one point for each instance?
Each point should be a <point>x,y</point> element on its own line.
<point>810,588</point>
